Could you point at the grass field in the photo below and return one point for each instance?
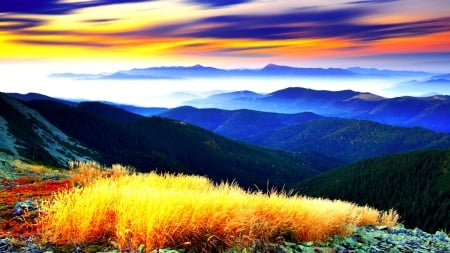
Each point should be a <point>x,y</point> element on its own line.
<point>154,211</point>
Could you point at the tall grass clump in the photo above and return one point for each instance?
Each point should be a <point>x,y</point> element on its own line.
<point>85,172</point>
<point>180,211</point>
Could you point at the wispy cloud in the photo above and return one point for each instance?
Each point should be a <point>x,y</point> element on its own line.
<point>288,30</point>
<point>54,6</point>
<point>58,7</point>
<point>303,23</point>
<point>298,24</point>
<point>373,1</point>
<point>11,24</point>
<point>219,3</point>
<point>61,43</point>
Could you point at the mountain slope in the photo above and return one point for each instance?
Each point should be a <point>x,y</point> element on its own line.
<point>25,133</point>
<point>108,112</point>
<point>349,140</point>
<point>36,96</point>
<point>428,112</point>
<point>144,111</point>
<point>289,100</point>
<point>167,145</point>
<point>416,184</point>
<point>238,124</point>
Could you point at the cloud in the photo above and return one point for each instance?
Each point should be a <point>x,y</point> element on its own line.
<point>430,56</point>
<point>60,43</point>
<point>53,7</point>
<point>101,20</point>
<point>18,23</point>
<point>242,52</point>
<point>219,3</point>
<point>301,23</point>
<point>373,1</point>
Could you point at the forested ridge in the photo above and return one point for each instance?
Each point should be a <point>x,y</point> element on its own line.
<point>167,145</point>
<point>416,184</point>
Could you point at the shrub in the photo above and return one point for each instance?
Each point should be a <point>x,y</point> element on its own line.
<point>180,211</point>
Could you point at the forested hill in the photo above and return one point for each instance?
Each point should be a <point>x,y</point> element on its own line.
<point>237,124</point>
<point>350,140</point>
<point>416,184</point>
<point>168,145</point>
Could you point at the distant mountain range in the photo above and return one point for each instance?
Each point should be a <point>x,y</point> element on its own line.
<point>270,70</point>
<point>429,112</point>
<point>423,87</point>
<point>346,139</point>
<point>432,112</point>
<point>51,132</point>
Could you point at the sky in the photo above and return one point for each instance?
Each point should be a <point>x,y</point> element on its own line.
<point>40,37</point>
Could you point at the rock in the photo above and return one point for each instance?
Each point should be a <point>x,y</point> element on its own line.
<point>27,205</point>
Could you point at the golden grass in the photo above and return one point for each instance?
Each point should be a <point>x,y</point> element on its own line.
<point>86,172</point>
<point>191,212</point>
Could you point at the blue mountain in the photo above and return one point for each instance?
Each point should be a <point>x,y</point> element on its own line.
<point>436,85</point>
<point>428,112</point>
<point>238,124</point>
<point>199,71</point>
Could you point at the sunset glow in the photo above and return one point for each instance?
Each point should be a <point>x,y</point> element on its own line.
<point>217,30</point>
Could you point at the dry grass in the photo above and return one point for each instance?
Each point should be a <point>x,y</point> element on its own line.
<point>85,172</point>
<point>176,211</point>
<point>22,167</point>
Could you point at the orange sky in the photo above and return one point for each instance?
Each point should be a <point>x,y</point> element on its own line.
<point>224,33</point>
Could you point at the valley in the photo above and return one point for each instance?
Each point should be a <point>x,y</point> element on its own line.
<point>303,153</point>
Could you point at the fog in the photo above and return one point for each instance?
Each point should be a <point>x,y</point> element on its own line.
<point>171,93</point>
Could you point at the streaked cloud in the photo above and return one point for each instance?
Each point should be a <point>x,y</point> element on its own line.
<point>13,24</point>
<point>63,43</point>
<point>303,23</point>
<point>219,31</point>
<point>373,1</point>
<point>54,6</point>
<point>218,3</point>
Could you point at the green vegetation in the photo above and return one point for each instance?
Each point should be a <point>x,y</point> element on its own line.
<point>174,146</point>
<point>416,184</point>
<point>8,152</point>
<point>21,127</point>
<point>36,139</point>
<point>237,124</point>
<point>350,140</point>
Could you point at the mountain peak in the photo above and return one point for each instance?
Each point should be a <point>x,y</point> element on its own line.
<point>366,96</point>
<point>198,66</point>
<point>272,66</point>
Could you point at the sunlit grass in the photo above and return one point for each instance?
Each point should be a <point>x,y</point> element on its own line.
<point>180,211</point>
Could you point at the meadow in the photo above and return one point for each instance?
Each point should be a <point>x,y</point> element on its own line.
<point>153,211</point>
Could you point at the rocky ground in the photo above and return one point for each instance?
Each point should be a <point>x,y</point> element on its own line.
<point>364,239</point>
